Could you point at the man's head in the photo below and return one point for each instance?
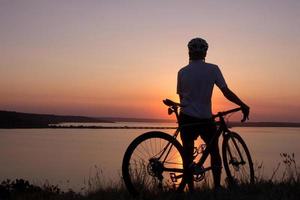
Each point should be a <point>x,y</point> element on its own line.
<point>197,49</point>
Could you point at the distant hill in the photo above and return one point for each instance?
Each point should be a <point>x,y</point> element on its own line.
<point>11,119</point>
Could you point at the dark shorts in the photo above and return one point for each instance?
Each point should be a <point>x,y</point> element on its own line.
<point>206,128</point>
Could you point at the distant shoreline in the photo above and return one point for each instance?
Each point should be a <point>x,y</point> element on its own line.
<point>17,120</point>
<point>231,125</point>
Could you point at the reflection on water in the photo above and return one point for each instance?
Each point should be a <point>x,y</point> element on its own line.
<point>68,156</point>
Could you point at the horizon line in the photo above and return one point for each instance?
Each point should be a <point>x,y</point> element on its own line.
<point>140,118</point>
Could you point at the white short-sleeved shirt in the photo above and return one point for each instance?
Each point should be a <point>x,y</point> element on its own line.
<point>195,84</point>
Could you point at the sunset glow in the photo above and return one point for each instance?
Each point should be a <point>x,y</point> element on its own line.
<point>117,58</point>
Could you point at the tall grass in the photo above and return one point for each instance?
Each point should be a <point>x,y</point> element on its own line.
<point>279,186</point>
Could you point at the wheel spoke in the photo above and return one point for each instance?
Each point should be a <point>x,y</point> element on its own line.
<point>144,167</point>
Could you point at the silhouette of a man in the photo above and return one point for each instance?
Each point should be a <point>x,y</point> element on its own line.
<point>195,84</point>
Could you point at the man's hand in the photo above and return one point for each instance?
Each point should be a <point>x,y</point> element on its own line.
<point>246,112</point>
<point>232,97</point>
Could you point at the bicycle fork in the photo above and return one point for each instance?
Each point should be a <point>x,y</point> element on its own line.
<point>233,160</point>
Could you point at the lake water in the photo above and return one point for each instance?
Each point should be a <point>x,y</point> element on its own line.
<point>70,157</point>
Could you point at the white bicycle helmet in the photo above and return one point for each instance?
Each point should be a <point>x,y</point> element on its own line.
<point>197,45</point>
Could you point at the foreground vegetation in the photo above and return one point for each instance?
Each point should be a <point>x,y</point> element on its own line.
<point>284,186</point>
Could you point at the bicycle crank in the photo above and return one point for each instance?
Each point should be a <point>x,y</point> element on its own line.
<point>199,173</point>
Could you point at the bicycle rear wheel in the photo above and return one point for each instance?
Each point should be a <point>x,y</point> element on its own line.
<point>237,160</point>
<point>153,162</point>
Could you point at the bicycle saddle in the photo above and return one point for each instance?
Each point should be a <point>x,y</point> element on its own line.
<point>170,103</point>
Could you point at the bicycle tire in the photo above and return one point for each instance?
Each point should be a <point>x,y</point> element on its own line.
<point>136,181</point>
<point>237,171</point>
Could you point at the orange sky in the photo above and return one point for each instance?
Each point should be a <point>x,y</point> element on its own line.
<point>102,58</point>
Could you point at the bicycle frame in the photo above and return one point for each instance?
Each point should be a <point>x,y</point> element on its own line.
<point>222,130</point>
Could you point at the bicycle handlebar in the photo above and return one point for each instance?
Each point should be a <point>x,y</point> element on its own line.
<point>245,117</point>
<point>227,112</point>
<point>174,105</point>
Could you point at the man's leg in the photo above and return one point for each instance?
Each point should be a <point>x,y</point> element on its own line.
<point>188,135</point>
<point>216,164</point>
<point>188,150</point>
<point>215,156</point>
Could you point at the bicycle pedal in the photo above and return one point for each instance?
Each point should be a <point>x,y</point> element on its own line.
<point>173,177</point>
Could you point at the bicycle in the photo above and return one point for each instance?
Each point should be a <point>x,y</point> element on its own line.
<point>154,160</point>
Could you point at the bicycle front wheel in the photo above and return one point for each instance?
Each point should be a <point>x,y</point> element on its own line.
<point>153,162</point>
<point>237,160</point>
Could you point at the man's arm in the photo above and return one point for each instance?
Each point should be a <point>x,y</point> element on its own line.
<point>233,98</point>
<point>179,85</point>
